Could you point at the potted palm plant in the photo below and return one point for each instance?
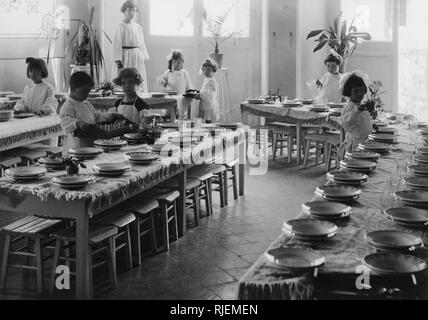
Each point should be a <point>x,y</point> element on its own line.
<point>343,40</point>
<point>215,27</point>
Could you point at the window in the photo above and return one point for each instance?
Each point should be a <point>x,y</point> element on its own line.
<point>19,17</point>
<point>374,17</point>
<point>171,18</point>
<point>238,18</point>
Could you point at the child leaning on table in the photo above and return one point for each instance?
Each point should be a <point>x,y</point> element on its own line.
<point>132,107</point>
<point>356,120</point>
<point>79,117</point>
<point>39,96</point>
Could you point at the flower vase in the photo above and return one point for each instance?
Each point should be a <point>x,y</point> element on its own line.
<point>72,170</point>
<point>218,58</point>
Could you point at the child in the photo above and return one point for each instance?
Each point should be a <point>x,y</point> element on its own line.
<point>356,119</point>
<point>176,78</point>
<point>329,83</point>
<point>209,95</point>
<point>79,117</point>
<point>39,96</point>
<point>132,107</point>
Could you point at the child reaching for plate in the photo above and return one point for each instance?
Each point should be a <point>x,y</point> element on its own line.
<point>79,117</point>
<point>356,120</point>
<point>176,78</point>
<point>132,107</point>
<point>329,83</point>
<point>209,96</point>
<point>39,96</point>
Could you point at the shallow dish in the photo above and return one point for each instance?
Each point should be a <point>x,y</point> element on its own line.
<point>347,176</point>
<point>419,169</point>
<point>336,191</point>
<point>112,167</point>
<point>413,196</point>
<point>323,208</point>
<point>73,180</point>
<point>423,151</point>
<point>171,92</point>
<point>375,147</point>
<point>310,228</point>
<point>24,115</point>
<point>336,105</point>
<point>295,259</point>
<point>386,130</point>
<point>394,240</point>
<point>408,215</point>
<point>256,101</point>
<point>359,164</point>
<point>86,152</point>
<point>386,138</point>
<point>423,159</point>
<point>158,95</point>
<point>142,157</point>
<point>417,182</point>
<point>394,263</point>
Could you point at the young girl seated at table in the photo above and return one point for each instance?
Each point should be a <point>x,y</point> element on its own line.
<point>39,96</point>
<point>132,107</point>
<point>356,119</point>
<point>209,95</point>
<point>79,117</point>
<point>329,83</point>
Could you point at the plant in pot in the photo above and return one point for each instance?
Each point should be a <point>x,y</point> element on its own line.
<point>342,40</point>
<point>215,27</point>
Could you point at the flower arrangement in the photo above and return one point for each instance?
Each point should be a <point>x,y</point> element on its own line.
<point>106,88</point>
<point>72,165</point>
<point>375,103</point>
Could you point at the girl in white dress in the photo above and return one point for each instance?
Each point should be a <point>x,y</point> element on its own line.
<point>329,83</point>
<point>129,47</point>
<point>356,119</point>
<point>209,95</point>
<point>39,96</point>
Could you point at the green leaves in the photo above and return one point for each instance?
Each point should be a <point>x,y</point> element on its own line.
<point>314,33</point>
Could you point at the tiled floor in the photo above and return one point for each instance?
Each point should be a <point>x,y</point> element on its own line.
<point>208,261</point>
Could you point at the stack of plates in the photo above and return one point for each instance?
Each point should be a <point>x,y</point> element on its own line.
<point>24,115</point>
<point>363,155</point>
<point>336,105</point>
<point>142,158</point>
<point>14,97</point>
<point>307,101</point>
<point>375,147</point>
<point>85,153</point>
<point>166,125</point>
<point>158,95</point>
<point>73,182</point>
<point>336,112</point>
<point>327,210</point>
<point>6,115</point>
<point>295,259</point>
<point>110,145</point>
<point>383,138</point>
<point>52,163</point>
<point>419,169</point>
<point>135,138</point>
<point>171,92</point>
<point>358,165</point>
<point>291,104</point>
<point>337,193</point>
<point>392,240</point>
<point>165,149</point>
<point>347,177</point>
<point>392,263</point>
<point>416,198</point>
<point>409,217</point>
<point>417,182</point>
<point>26,173</point>
<point>310,229</point>
<point>381,124</point>
<point>256,101</point>
<point>423,151</point>
<point>111,169</point>
<point>386,130</point>
<point>184,141</point>
<point>422,159</point>
<point>319,109</point>
<point>230,126</point>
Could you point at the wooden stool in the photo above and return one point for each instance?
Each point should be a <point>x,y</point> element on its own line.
<point>232,168</point>
<point>282,132</point>
<point>122,221</point>
<point>219,172</point>
<point>31,157</point>
<point>8,164</point>
<point>28,229</point>
<point>320,141</point>
<point>336,152</point>
<point>101,238</point>
<point>205,177</point>
<point>192,194</point>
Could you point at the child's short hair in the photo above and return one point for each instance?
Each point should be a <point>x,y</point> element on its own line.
<point>81,79</point>
<point>129,73</point>
<point>175,55</point>
<point>38,64</point>
<point>353,81</point>
<point>333,58</point>
<point>210,63</point>
<point>128,4</point>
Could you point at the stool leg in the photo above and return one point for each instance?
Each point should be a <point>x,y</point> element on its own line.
<point>58,247</point>
<point>136,231</point>
<point>91,273</point>
<point>235,183</point>
<point>113,272</point>
<point>165,227</point>
<point>210,195</point>
<point>197,203</point>
<point>226,187</point>
<point>208,204</point>
<point>39,265</point>
<point>153,237</point>
<point>175,225</point>
<point>282,145</point>
<point>290,148</point>
<point>221,188</point>
<point>128,248</point>
<point>275,145</point>
<point>325,152</point>
<point>7,242</point>
<point>307,147</point>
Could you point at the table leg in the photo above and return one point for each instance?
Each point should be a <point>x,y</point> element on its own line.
<point>173,113</point>
<point>242,161</point>
<point>181,214</point>
<point>299,144</point>
<point>83,286</point>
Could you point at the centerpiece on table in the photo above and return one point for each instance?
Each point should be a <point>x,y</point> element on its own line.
<point>375,103</point>
<point>106,89</point>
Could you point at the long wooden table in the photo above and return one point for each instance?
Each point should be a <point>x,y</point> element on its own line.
<point>343,253</point>
<point>42,198</point>
<point>300,117</point>
<point>20,132</point>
